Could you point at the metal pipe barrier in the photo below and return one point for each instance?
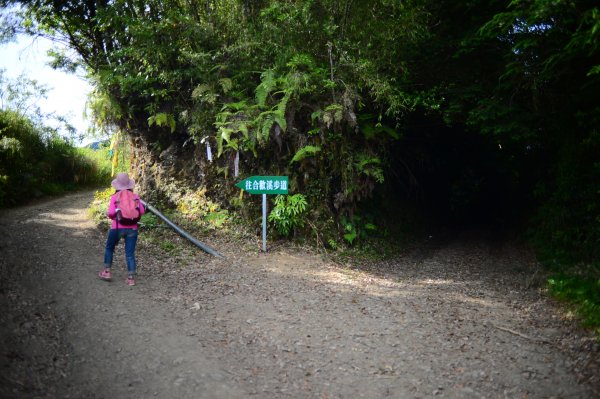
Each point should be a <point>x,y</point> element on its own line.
<point>182,232</point>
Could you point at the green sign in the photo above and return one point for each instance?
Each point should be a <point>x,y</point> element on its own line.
<point>265,185</point>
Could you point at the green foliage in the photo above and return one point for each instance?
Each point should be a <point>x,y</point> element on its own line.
<point>32,164</point>
<point>355,228</point>
<point>369,166</point>
<point>341,96</point>
<point>101,165</point>
<point>163,119</point>
<point>196,207</point>
<point>350,233</point>
<point>167,246</point>
<point>332,244</point>
<point>333,113</point>
<point>267,85</point>
<point>373,130</point>
<point>574,197</point>
<point>244,124</point>
<point>233,128</point>
<point>306,152</point>
<point>150,221</point>
<point>104,110</point>
<point>189,69</point>
<point>583,293</point>
<point>288,213</point>
<point>99,206</point>
<point>219,218</point>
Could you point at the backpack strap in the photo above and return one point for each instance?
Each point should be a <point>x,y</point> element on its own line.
<point>117,201</point>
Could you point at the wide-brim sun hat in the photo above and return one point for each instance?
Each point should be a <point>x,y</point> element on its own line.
<point>123,182</point>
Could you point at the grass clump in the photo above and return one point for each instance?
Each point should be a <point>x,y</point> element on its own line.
<point>582,294</point>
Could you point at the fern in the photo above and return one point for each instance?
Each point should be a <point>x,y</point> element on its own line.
<point>243,128</point>
<point>594,71</point>
<point>265,129</point>
<point>372,129</point>
<point>370,166</point>
<point>226,85</point>
<point>200,90</point>
<point>205,93</point>
<point>266,86</point>
<point>246,119</point>
<point>305,152</point>
<point>162,119</point>
<point>315,116</point>
<point>234,128</point>
<point>224,134</point>
<point>301,60</point>
<point>267,119</point>
<point>282,106</point>
<point>332,114</point>
<point>239,106</point>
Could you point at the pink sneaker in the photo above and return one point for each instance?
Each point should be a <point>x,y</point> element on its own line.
<point>105,275</point>
<point>130,281</point>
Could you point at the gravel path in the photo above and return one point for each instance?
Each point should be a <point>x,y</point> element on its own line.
<point>460,318</point>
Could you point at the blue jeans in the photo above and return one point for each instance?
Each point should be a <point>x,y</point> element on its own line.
<point>114,235</point>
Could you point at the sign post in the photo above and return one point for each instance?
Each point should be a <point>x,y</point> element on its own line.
<point>264,185</point>
<point>264,222</point>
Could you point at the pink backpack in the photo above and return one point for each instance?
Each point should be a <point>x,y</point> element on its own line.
<point>129,208</point>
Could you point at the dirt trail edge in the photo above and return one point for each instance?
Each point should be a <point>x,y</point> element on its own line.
<point>463,320</point>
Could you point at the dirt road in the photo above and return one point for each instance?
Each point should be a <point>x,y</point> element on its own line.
<point>462,318</point>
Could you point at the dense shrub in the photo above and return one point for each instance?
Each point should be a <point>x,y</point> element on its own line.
<point>33,164</point>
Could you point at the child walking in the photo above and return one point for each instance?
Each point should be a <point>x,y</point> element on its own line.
<point>124,225</point>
